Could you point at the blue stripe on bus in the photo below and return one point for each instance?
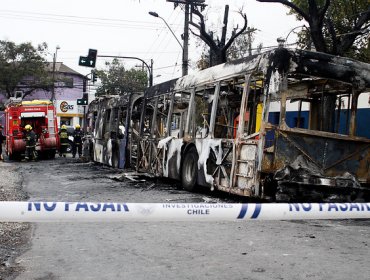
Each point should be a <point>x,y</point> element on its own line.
<point>291,119</point>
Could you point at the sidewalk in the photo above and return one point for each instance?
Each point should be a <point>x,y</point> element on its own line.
<point>13,236</point>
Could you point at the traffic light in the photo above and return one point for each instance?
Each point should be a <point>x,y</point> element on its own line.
<point>84,100</point>
<point>89,60</point>
<point>92,56</point>
<point>94,76</point>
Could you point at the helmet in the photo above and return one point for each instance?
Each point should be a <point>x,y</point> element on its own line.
<point>77,126</point>
<point>28,127</point>
<point>64,126</point>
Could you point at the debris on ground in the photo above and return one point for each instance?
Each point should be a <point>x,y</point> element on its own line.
<point>132,176</point>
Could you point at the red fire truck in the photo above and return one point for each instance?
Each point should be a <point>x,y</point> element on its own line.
<point>41,115</point>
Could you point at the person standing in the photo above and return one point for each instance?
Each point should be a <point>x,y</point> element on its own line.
<point>63,138</point>
<point>30,138</point>
<point>77,141</point>
<point>2,138</point>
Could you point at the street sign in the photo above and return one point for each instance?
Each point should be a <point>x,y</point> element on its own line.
<point>81,101</point>
<point>89,60</point>
<point>86,61</point>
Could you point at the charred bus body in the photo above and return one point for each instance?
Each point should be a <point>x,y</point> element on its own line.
<point>111,121</point>
<point>215,129</point>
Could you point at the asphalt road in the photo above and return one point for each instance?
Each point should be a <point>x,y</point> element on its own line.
<point>177,250</point>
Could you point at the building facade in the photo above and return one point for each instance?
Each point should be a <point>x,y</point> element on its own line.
<point>69,86</point>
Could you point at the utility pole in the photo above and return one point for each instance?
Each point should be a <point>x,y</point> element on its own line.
<point>188,4</point>
<point>185,53</point>
<point>249,42</point>
<point>53,74</point>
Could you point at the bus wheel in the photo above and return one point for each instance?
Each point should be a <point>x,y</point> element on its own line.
<point>190,170</point>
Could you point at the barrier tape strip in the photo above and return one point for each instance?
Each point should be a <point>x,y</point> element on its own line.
<point>29,211</point>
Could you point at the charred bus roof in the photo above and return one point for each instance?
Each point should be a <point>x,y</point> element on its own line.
<point>300,66</point>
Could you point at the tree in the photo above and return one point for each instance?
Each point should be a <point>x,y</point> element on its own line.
<point>218,47</point>
<point>118,80</point>
<point>335,27</point>
<point>241,47</point>
<point>22,67</point>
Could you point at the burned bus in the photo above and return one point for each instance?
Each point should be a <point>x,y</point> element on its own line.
<point>111,122</point>
<point>275,125</point>
<point>216,128</point>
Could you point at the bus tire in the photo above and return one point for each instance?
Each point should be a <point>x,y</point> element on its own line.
<point>189,172</point>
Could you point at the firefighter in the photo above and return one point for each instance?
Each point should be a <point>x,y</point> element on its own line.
<point>77,141</point>
<point>63,136</point>
<point>2,138</point>
<point>30,138</point>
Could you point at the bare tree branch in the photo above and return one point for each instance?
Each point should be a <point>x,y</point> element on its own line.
<point>290,5</point>
<point>236,34</point>
<point>202,29</point>
<point>323,11</point>
<point>365,17</point>
<point>314,17</point>
<point>333,34</point>
<point>359,28</point>
<point>224,27</point>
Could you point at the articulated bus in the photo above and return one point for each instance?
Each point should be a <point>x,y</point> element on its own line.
<point>111,122</point>
<point>229,127</point>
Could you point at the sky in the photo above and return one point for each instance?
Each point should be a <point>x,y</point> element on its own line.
<point>124,28</point>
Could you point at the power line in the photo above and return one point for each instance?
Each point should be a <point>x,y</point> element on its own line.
<point>76,17</point>
<point>163,40</point>
<point>113,23</point>
<point>96,24</point>
<point>169,66</point>
<point>158,35</point>
<point>167,37</point>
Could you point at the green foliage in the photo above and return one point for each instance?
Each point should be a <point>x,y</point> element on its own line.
<point>118,80</point>
<point>341,25</point>
<point>242,46</point>
<point>22,67</point>
<point>203,62</point>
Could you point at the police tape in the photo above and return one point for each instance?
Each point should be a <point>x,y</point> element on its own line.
<point>22,211</point>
